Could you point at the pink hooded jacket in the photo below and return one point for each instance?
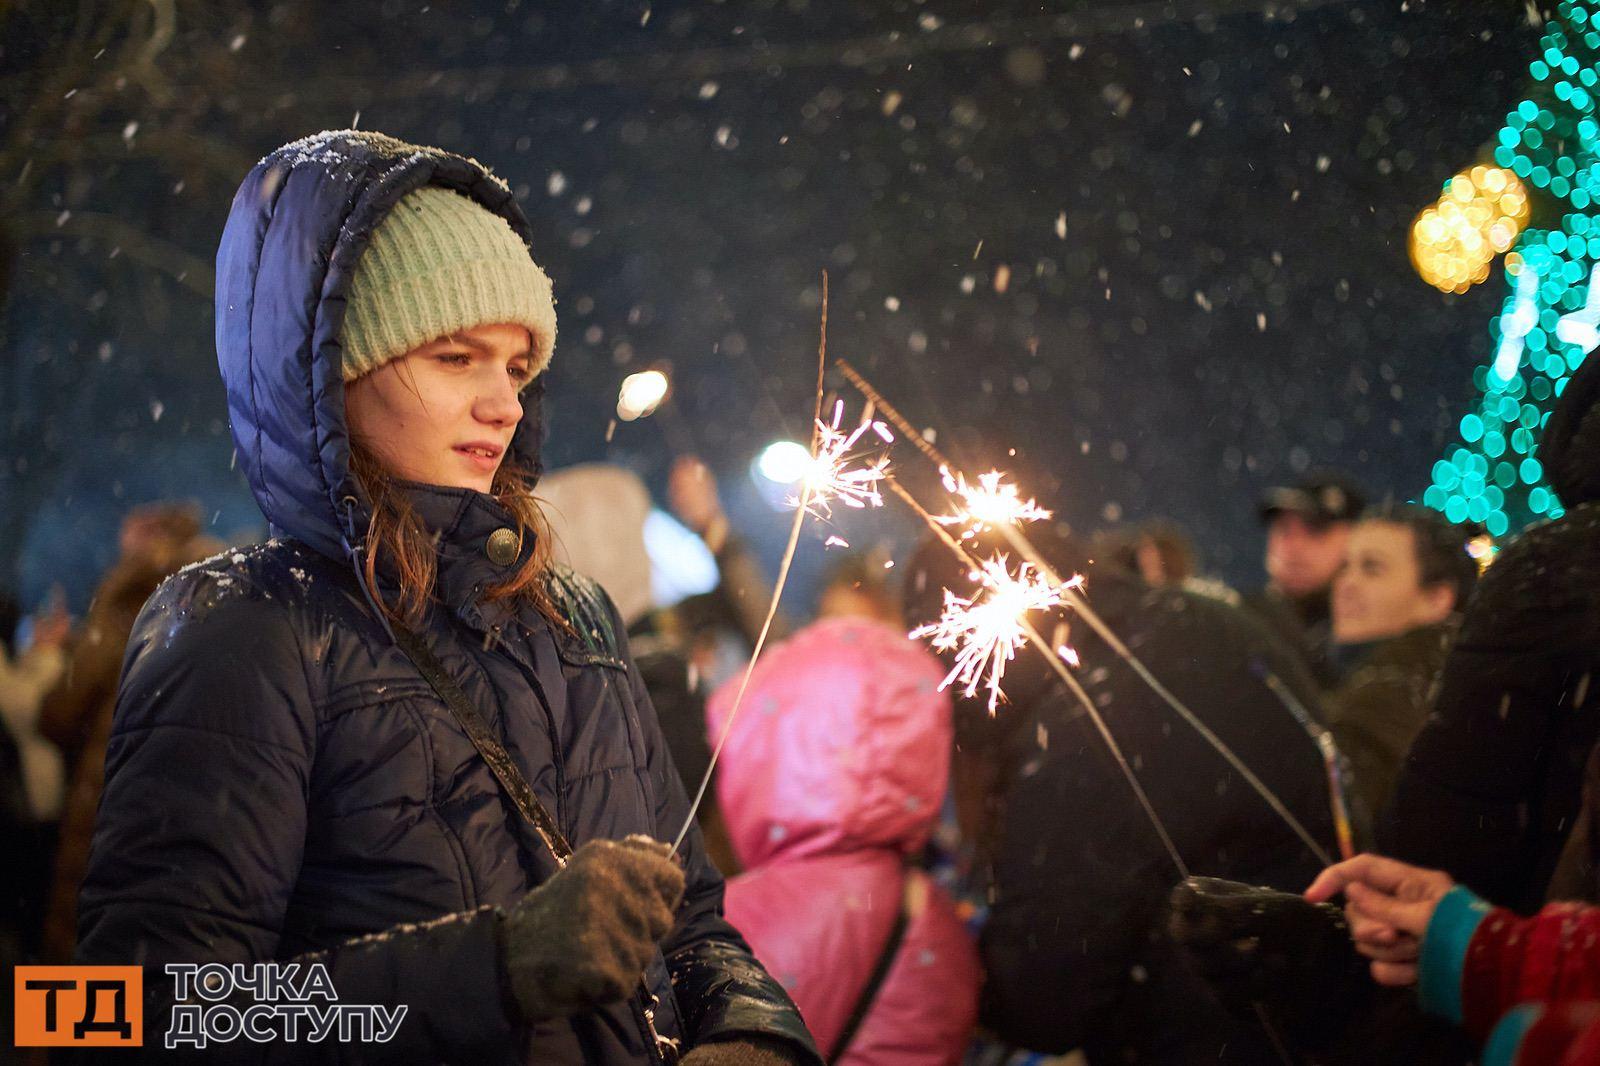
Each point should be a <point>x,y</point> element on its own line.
<point>833,773</point>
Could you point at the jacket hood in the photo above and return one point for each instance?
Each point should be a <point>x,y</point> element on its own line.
<point>1570,448</point>
<point>597,514</point>
<point>843,743</point>
<point>297,228</point>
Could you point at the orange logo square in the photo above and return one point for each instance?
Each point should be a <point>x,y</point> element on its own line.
<point>79,1006</point>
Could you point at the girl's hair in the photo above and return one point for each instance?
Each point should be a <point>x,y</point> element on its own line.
<point>396,530</point>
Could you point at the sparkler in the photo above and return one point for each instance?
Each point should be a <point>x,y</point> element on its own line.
<point>986,629</point>
<point>1076,602</point>
<point>830,476</point>
<point>991,502</point>
<point>1122,651</point>
<point>1057,661</point>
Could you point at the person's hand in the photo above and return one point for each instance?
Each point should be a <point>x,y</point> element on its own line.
<point>1389,905</point>
<point>692,494</point>
<point>584,937</point>
<point>52,627</point>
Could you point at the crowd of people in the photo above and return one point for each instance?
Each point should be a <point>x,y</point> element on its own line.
<point>439,735</point>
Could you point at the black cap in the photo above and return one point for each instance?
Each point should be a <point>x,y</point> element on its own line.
<point>1322,498</point>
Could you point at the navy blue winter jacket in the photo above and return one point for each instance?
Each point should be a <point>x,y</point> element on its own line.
<point>281,780</point>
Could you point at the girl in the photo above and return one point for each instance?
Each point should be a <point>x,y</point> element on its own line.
<point>831,781</point>
<point>372,741</point>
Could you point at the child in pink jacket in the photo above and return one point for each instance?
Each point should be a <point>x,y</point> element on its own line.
<point>830,783</point>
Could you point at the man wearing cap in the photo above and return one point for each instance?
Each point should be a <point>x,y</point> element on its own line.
<point>1308,525</point>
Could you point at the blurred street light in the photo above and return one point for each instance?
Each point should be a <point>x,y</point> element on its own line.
<point>783,462</point>
<point>641,394</point>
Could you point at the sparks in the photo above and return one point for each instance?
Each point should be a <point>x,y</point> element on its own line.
<point>991,502</point>
<point>986,629</point>
<point>831,478</point>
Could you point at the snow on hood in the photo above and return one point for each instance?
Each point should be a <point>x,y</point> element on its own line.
<point>298,225</point>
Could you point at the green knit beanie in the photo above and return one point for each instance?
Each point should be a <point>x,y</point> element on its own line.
<point>437,263</point>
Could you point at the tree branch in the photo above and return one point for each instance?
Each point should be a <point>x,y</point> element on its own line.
<point>190,271</point>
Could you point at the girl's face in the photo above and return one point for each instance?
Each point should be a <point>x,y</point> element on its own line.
<point>443,413</point>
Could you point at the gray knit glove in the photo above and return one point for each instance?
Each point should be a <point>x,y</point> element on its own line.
<point>749,1051</point>
<point>584,937</point>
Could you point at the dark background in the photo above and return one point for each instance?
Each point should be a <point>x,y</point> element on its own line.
<point>1230,302</point>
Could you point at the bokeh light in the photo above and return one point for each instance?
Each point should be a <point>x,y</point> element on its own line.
<point>1492,476</point>
<point>783,462</point>
<point>1479,215</point>
<point>641,394</point>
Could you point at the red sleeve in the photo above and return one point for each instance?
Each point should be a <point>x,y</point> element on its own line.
<point>1563,1034</point>
<point>1554,955</point>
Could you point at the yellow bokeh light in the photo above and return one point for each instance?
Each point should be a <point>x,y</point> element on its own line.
<point>1478,216</point>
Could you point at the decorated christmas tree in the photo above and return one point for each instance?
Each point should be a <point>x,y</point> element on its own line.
<point>1548,152</point>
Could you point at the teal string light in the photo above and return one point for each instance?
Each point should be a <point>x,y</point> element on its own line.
<point>1548,322</point>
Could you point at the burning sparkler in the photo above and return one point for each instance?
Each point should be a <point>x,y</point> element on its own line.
<point>991,502</point>
<point>830,476</point>
<point>1072,599</point>
<point>986,629</point>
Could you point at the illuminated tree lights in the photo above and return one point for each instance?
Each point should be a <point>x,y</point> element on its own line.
<point>1551,317</point>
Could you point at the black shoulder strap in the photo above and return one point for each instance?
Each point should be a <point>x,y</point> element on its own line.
<point>493,752</point>
<point>538,815</point>
<point>880,971</point>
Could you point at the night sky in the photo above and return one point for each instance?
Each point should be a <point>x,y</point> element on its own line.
<point>1159,249</point>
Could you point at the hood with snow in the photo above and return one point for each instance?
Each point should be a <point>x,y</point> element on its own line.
<point>597,514</point>
<point>842,744</point>
<point>297,228</point>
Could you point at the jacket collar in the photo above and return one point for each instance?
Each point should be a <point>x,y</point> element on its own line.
<point>1422,645</point>
<point>463,520</point>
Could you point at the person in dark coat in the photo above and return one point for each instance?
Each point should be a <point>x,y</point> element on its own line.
<point>282,780</point>
<point>1395,603</point>
<point>1493,781</point>
<point>1074,949</point>
<point>76,715</point>
<point>1577,873</point>
<point>1308,525</point>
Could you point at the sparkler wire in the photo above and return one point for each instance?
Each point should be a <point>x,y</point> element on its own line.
<point>1095,622</point>
<point>750,667</point>
<point>1043,647</point>
<point>777,588</point>
<point>1099,626</point>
